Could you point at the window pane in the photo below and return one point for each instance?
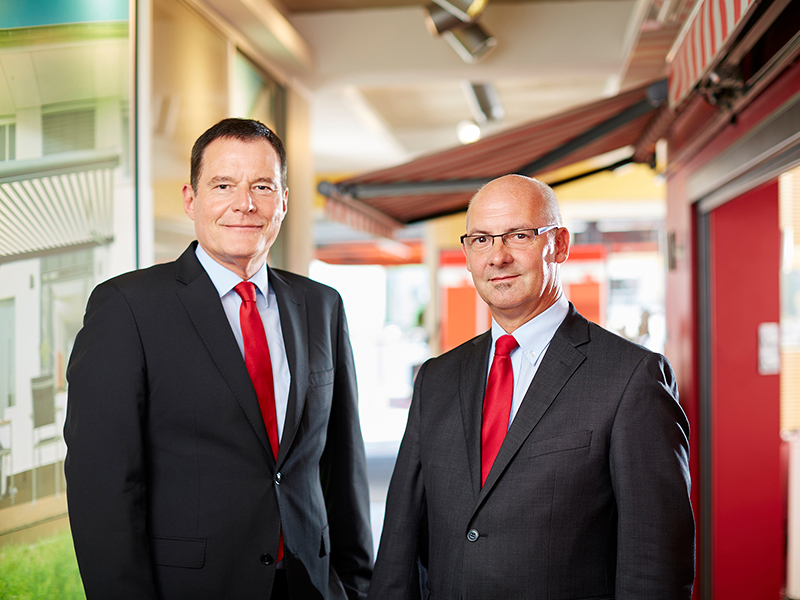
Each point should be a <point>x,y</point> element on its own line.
<point>68,130</point>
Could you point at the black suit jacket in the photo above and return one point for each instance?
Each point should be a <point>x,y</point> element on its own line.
<point>173,490</point>
<point>588,497</point>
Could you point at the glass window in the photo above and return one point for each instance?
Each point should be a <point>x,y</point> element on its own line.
<point>8,134</point>
<point>67,130</point>
<point>255,96</point>
<point>789,198</point>
<point>67,222</point>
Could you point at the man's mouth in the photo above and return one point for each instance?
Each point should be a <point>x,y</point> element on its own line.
<point>243,226</point>
<point>502,278</point>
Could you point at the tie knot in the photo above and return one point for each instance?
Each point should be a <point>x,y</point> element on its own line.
<point>504,345</point>
<point>246,291</point>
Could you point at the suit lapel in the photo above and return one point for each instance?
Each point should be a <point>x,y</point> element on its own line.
<point>471,391</point>
<point>561,360</point>
<point>201,301</point>
<point>294,326</point>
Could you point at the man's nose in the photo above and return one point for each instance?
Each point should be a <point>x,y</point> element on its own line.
<point>498,253</point>
<point>243,201</point>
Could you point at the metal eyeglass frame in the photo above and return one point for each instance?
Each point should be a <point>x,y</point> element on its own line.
<point>536,233</point>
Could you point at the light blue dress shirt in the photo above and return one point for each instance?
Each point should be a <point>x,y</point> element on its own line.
<point>534,338</point>
<point>225,280</point>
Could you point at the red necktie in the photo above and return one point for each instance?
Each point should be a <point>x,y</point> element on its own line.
<point>259,366</point>
<point>497,403</point>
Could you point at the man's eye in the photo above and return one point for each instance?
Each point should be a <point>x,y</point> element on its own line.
<point>522,236</point>
<point>223,186</point>
<point>264,189</point>
<point>481,239</point>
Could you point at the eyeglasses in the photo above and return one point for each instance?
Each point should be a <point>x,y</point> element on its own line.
<point>516,240</point>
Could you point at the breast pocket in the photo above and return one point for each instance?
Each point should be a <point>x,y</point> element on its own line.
<point>561,443</point>
<point>320,378</point>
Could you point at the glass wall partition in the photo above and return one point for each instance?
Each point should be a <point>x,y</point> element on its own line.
<point>67,214</point>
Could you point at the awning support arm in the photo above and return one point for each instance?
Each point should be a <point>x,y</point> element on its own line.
<point>553,184</point>
<point>635,111</point>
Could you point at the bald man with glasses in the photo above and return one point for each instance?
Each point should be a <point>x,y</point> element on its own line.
<point>546,458</point>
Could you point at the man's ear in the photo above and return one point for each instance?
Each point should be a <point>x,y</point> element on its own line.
<point>466,256</point>
<point>562,244</point>
<point>285,202</point>
<point>188,200</point>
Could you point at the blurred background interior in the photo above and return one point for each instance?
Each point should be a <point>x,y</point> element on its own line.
<point>669,129</point>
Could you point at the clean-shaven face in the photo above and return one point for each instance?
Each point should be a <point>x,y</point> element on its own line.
<point>516,284</point>
<point>239,203</point>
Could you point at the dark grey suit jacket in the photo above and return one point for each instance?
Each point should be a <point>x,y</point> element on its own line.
<point>172,486</point>
<point>588,497</point>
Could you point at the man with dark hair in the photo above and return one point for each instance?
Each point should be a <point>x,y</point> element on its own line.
<point>245,130</point>
<point>546,458</point>
<point>214,446</point>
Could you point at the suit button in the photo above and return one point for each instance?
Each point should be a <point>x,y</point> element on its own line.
<point>267,559</point>
<point>278,477</point>
<point>473,535</point>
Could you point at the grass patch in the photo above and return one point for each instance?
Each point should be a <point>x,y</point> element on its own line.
<point>41,571</point>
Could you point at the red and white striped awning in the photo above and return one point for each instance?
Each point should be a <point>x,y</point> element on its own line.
<point>706,34</point>
<point>442,183</point>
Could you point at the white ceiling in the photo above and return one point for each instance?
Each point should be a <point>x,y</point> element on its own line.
<point>384,90</point>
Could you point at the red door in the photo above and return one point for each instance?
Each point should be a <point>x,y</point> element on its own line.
<point>741,478</point>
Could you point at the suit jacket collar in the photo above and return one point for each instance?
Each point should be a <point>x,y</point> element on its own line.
<point>563,357</point>
<point>201,301</point>
<point>471,391</point>
<point>294,325</point>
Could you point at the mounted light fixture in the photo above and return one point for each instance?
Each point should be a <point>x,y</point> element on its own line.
<point>468,132</point>
<point>466,10</point>
<point>454,20</point>
<point>438,20</point>
<point>483,101</point>
<point>467,38</point>
<point>471,43</point>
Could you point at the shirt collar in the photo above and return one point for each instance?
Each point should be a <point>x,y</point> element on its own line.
<point>225,280</point>
<point>534,336</point>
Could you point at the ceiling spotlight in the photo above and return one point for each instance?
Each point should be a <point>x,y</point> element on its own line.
<point>483,101</point>
<point>466,10</point>
<point>468,132</point>
<point>470,43</point>
<point>439,20</point>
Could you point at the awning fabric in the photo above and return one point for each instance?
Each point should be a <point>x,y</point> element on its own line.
<point>442,183</point>
<point>706,34</point>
